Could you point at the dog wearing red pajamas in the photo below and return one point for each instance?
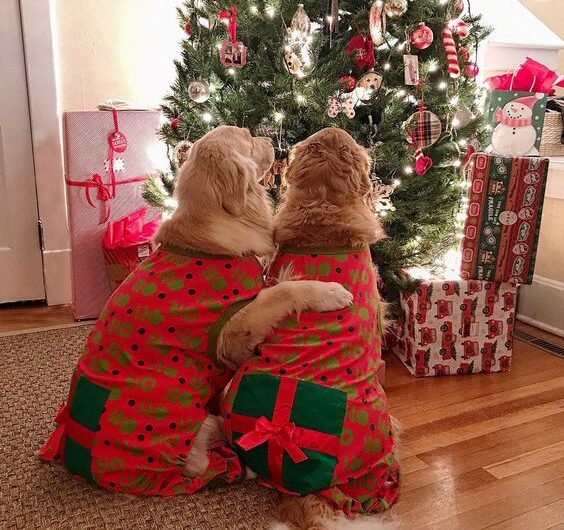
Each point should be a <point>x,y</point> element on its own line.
<point>137,419</point>
<point>308,414</point>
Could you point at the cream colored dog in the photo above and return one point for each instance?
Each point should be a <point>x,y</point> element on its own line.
<point>223,209</point>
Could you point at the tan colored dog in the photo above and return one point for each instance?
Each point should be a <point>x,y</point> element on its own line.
<point>224,210</point>
<point>326,205</point>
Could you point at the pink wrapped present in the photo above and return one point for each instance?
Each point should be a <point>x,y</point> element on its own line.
<point>451,327</point>
<point>107,159</point>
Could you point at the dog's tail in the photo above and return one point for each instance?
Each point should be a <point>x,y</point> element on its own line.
<point>313,513</point>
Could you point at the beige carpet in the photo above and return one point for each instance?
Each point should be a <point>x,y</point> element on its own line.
<point>35,370</point>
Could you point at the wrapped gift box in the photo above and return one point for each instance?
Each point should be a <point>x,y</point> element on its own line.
<point>451,327</point>
<point>93,200</point>
<point>502,226</point>
<point>279,455</point>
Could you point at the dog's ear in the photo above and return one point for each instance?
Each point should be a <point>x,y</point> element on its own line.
<point>227,176</point>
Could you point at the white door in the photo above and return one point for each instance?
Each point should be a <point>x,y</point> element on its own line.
<point>21,268</point>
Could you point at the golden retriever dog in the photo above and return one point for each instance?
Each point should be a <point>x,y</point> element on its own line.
<point>138,416</point>
<point>327,434</point>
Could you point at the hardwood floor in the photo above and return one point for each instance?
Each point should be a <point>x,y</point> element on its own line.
<point>479,451</point>
<point>17,317</point>
<point>482,451</point>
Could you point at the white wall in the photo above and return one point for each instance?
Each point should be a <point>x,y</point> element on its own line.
<point>115,49</point>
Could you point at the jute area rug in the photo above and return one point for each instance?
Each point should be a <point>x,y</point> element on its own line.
<point>35,370</point>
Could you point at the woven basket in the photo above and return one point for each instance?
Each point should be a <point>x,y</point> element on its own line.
<point>551,144</point>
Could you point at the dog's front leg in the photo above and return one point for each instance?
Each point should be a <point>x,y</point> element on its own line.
<point>250,326</point>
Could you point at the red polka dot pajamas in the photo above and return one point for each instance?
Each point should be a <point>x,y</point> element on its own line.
<point>308,414</point>
<point>142,387</point>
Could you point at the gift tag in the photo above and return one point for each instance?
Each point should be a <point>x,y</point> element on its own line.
<point>143,251</point>
<point>411,69</point>
<point>118,142</point>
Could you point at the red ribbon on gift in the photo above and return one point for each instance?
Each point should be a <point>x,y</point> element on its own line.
<point>231,17</point>
<point>530,76</point>
<point>131,230</point>
<point>281,434</point>
<point>105,191</point>
<point>363,49</point>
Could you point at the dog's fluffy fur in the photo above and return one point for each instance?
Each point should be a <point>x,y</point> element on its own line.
<point>326,204</point>
<point>223,209</point>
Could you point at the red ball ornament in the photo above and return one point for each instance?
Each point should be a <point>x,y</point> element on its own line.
<point>422,37</point>
<point>472,70</point>
<point>174,124</point>
<point>188,30</point>
<point>348,82</point>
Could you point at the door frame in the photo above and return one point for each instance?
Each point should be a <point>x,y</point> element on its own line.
<point>39,40</point>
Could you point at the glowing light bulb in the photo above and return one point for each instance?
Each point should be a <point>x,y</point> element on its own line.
<point>387,66</point>
<point>455,122</point>
<point>278,116</point>
<point>231,71</point>
<point>433,66</point>
<point>463,142</point>
<point>254,9</point>
<point>454,100</point>
<point>270,12</point>
<point>396,182</point>
<point>300,98</point>
<point>400,93</point>
<point>401,45</point>
<point>457,163</point>
<point>418,239</point>
<point>218,45</point>
<point>442,85</point>
<point>207,117</point>
<point>408,170</point>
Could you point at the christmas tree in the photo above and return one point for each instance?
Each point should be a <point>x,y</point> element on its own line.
<point>398,75</point>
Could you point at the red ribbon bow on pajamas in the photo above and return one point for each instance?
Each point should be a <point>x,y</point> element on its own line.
<point>281,435</point>
<point>105,192</point>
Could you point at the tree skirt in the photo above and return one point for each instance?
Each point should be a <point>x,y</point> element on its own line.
<point>35,371</point>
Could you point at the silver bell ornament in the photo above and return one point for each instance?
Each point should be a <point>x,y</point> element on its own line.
<point>198,91</point>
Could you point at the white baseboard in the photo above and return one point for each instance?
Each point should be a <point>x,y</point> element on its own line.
<point>541,304</point>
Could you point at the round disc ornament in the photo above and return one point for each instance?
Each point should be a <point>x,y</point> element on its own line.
<point>198,91</point>
<point>422,129</point>
<point>422,37</point>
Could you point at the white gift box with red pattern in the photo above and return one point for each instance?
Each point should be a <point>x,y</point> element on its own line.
<point>451,327</point>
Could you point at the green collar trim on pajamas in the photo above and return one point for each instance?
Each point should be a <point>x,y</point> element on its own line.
<point>219,324</point>
<point>191,253</point>
<point>321,250</point>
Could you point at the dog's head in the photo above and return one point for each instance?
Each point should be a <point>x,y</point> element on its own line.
<point>330,166</point>
<point>223,170</point>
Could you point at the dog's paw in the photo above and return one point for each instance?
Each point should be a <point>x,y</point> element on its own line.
<point>332,296</point>
<point>196,464</point>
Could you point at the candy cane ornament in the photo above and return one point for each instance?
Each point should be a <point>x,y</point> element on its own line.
<point>460,29</point>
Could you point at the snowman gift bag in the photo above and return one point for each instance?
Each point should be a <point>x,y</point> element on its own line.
<point>516,119</point>
<point>515,108</point>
